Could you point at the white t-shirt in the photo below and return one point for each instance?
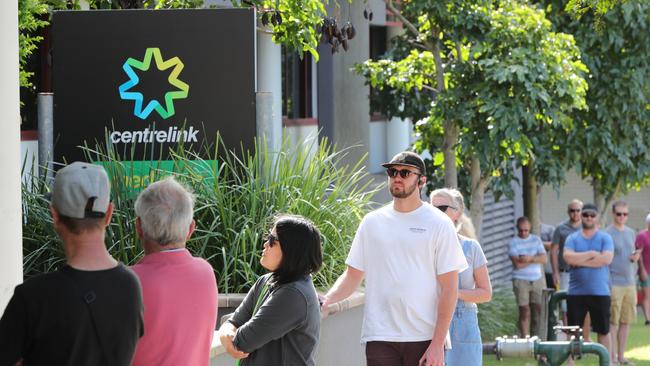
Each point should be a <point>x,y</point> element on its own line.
<point>401,255</point>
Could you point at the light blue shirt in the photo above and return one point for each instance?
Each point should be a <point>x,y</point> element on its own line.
<point>587,280</point>
<point>530,246</point>
<point>475,258</point>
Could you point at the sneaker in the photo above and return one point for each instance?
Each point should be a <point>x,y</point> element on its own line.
<point>647,322</point>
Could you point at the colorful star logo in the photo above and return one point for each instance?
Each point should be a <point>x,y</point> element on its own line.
<point>168,110</point>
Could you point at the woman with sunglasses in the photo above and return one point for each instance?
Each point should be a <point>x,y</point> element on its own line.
<point>278,322</point>
<point>473,284</point>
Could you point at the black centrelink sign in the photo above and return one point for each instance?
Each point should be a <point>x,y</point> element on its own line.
<point>145,81</point>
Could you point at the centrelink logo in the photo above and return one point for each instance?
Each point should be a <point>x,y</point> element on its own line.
<point>150,134</point>
<point>167,110</point>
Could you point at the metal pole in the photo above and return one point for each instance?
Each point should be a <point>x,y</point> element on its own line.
<point>45,133</point>
<point>552,319</point>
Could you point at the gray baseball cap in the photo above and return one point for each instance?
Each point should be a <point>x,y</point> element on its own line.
<point>81,190</point>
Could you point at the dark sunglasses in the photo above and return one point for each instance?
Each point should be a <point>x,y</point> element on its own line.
<point>572,210</point>
<point>404,173</point>
<point>621,213</point>
<point>587,214</point>
<point>271,239</point>
<point>444,208</point>
<point>522,230</point>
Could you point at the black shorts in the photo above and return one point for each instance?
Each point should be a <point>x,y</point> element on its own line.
<point>598,308</point>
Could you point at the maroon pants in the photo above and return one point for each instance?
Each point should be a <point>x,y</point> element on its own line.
<point>380,353</point>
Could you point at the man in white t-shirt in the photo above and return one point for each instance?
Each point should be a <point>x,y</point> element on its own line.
<point>409,254</point>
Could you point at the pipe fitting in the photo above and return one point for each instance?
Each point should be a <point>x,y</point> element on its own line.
<point>516,347</point>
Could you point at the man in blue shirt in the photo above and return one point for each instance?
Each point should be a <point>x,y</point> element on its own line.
<point>527,254</point>
<point>589,252</point>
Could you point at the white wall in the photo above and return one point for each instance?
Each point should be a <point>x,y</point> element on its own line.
<point>340,337</point>
<point>269,79</point>
<point>351,105</point>
<point>553,207</point>
<point>298,135</point>
<point>11,263</point>
<point>29,158</point>
<point>377,146</point>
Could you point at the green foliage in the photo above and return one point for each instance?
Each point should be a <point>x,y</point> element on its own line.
<point>514,99</point>
<point>173,4</point>
<point>298,29</point>
<point>235,205</point>
<point>611,138</point>
<point>498,317</point>
<point>145,4</point>
<point>30,20</point>
<point>599,7</point>
<point>510,86</point>
<point>300,23</point>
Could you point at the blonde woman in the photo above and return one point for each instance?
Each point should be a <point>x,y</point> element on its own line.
<point>473,284</point>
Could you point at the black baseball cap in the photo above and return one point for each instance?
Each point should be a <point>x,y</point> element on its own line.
<point>407,158</point>
<point>590,207</point>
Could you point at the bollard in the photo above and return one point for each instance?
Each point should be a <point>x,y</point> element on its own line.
<point>544,314</point>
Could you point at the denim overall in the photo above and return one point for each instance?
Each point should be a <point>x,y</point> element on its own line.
<point>465,335</point>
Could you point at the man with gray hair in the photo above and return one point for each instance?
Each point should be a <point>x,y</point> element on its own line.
<point>89,312</point>
<point>179,290</point>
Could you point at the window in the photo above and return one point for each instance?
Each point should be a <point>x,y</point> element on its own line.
<point>297,85</point>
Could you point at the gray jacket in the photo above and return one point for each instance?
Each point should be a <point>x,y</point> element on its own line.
<point>284,331</point>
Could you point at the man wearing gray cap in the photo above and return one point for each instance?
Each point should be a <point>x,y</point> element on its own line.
<point>89,312</point>
<point>409,255</point>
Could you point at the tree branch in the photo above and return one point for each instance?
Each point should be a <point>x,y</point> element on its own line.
<point>412,28</point>
<point>440,69</point>
<point>427,87</point>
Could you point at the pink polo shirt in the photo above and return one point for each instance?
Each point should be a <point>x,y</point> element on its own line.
<point>180,309</point>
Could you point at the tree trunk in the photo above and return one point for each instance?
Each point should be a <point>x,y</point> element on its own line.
<point>450,129</point>
<point>479,186</point>
<point>449,153</point>
<point>599,201</point>
<point>530,191</point>
<point>604,201</point>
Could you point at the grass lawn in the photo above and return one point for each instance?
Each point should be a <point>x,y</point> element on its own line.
<point>638,350</point>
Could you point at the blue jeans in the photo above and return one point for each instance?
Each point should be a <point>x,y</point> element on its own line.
<point>466,348</point>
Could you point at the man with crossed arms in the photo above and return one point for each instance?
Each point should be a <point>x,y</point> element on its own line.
<point>589,252</point>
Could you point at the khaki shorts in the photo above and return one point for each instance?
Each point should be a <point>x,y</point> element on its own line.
<point>623,305</point>
<point>528,292</point>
